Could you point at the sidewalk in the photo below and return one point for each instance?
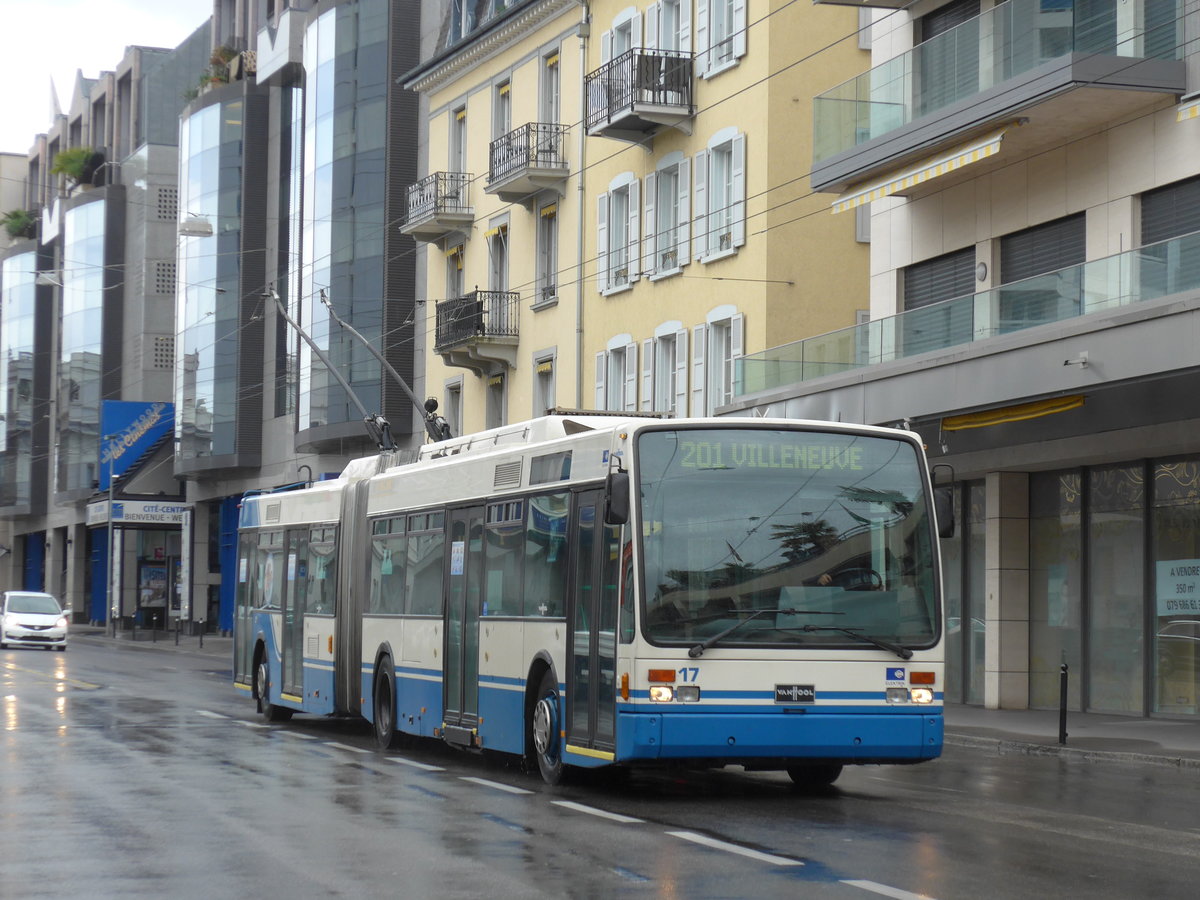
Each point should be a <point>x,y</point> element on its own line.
<point>1034,732</point>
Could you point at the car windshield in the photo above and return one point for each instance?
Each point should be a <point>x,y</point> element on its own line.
<point>33,603</point>
<point>801,536</point>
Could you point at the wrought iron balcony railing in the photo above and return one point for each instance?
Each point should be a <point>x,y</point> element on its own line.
<point>441,192</point>
<point>537,145</point>
<point>636,79</point>
<point>480,314</point>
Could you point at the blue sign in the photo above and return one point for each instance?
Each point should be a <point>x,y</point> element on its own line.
<point>895,674</point>
<point>128,428</point>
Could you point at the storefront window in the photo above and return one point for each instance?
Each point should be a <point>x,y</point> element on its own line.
<point>1176,548</point>
<point>973,621</point>
<point>1116,580</point>
<point>1055,541</point>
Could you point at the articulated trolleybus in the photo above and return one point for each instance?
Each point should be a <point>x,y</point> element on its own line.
<point>612,591</point>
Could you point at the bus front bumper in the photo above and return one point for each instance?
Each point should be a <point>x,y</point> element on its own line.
<point>851,737</point>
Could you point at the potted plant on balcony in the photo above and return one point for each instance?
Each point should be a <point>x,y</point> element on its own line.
<point>79,164</point>
<point>19,223</point>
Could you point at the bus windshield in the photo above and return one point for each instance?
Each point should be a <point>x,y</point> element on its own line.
<point>802,536</point>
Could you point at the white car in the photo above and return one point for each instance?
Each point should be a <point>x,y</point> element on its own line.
<point>32,619</point>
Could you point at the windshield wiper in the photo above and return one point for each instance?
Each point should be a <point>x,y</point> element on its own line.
<point>902,652</point>
<point>698,650</point>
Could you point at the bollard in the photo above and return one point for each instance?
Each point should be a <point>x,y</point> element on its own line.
<point>1062,704</point>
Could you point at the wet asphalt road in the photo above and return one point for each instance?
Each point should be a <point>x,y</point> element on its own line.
<point>130,772</point>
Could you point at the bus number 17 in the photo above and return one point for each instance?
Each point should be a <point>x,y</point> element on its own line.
<point>689,673</point>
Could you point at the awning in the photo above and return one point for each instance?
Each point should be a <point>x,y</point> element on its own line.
<point>1019,413</point>
<point>963,155</point>
<point>1188,111</point>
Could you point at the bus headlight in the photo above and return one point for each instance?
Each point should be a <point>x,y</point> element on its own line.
<point>921,695</point>
<point>897,695</point>
<point>688,693</point>
<point>662,693</point>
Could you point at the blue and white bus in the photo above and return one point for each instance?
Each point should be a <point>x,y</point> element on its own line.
<point>612,591</point>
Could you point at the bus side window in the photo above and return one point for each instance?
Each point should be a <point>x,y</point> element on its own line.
<point>545,555</point>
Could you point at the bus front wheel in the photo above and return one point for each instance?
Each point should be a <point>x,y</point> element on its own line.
<point>815,776</point>
<point>385,706</point>
<point>268,710</point>
<point>546,728</point>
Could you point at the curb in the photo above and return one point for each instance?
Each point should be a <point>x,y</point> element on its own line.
<point>1009,746</point>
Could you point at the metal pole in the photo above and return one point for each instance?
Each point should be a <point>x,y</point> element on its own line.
<point>1062,704</point>
<point>113,595</point>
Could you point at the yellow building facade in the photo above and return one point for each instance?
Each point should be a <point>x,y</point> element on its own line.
<point>617,207</point>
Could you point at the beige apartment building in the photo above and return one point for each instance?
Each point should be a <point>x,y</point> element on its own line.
<point>617,206</point>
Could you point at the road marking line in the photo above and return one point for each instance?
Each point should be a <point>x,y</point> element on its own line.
<point>885,890</point>
<point>298,736</point>
<point>495,784</point>
<point>252,724</point>
<point>425,767</point>
<point>338,746</point>
<point>734,848</point>
<point>592,811</point>
<point>210,715</point>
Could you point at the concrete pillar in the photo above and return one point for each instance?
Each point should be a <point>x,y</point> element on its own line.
<point>1006,586</point>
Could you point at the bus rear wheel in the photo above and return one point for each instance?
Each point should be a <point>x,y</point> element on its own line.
<point>268,710</point>
<point>545,730</point>
<point>385,706</point>
<point>815,776</point>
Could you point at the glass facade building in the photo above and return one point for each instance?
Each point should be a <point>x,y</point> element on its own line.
<point>18,297</point>
<point>209,267</point>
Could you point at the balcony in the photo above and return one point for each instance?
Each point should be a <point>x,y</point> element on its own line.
<point>1060,71</point>
<point>1103,285</point>
<point>439,206</point>
<point>527,161</point>
<point>639,94</point>
<point>479,330</point>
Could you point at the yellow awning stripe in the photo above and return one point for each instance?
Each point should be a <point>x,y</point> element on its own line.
<point>545,368</point>
<point>496,381</point>
<point>1018,413</point>
<point>550,210</point>
<point>1188,111</point>
<point>964,155</point>
<point>504,89</point>
<point>552,60</point>
<point>460,115</point>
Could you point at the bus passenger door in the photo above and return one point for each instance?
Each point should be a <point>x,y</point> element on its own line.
<point>291,646</point>
<point>464,574</point>
<point>592,628</point>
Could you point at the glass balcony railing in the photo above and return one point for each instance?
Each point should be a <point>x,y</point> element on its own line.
<point>1158,270</point>
<point>1002,43</point>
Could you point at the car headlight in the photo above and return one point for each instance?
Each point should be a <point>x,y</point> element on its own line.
<point>61,623</point>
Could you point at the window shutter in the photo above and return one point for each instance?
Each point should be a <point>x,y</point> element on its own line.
<point>1171,211</point>
<point>685,25</point>
<point>601,371</point>
<point>650,242</point>
<point>683,244</point>
<point>739,28</point>
<point>739,190</point>
<point>942,278</point>
<point>1043,248</point>
<point>605,47</point>
<point>702,48</point>
<point>631,377</point>
<point>700,245</point>
<point>647,374</point>
<point>653,20</point>
<point>635,32</point>
<point>737,346</point>
<point>635,212</point>
<point>699,381</point>
<point>681,367</point>
<point>602,243</point>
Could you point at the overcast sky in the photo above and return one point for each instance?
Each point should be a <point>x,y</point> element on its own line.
<point>48,40</point>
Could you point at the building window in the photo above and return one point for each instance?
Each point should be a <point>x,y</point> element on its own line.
<point>617,235</point>
<point>454,272</point>
<point>669,25</point>
<point>664,370</point>
<point>716,345</point>
<point>458,140</point>
<point>941,278</point>
<point>668,201</point>
<point>453,403</point>
<point>720,196</point>
<point>551,103</point>
<point>720,34</point>
<point>494,413</point>
<point>502,111</point>
<point>1047,260</point>
<point>547,255</point>
<point>616,375</point>
<point>543,385</point>
<point>497,241</point>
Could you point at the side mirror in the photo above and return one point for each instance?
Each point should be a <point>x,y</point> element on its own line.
<point>616,498</point>
<point>943,510</point>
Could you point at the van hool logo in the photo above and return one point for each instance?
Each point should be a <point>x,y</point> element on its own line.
<point>115,448</point>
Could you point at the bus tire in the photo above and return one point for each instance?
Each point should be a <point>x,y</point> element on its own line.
<point>385,705</point>
<point>262,689</point>
<point>545,729</point>
<point>815,776</point>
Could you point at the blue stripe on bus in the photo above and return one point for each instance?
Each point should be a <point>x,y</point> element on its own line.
<point>684,709</point>
<point>770,695</point>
